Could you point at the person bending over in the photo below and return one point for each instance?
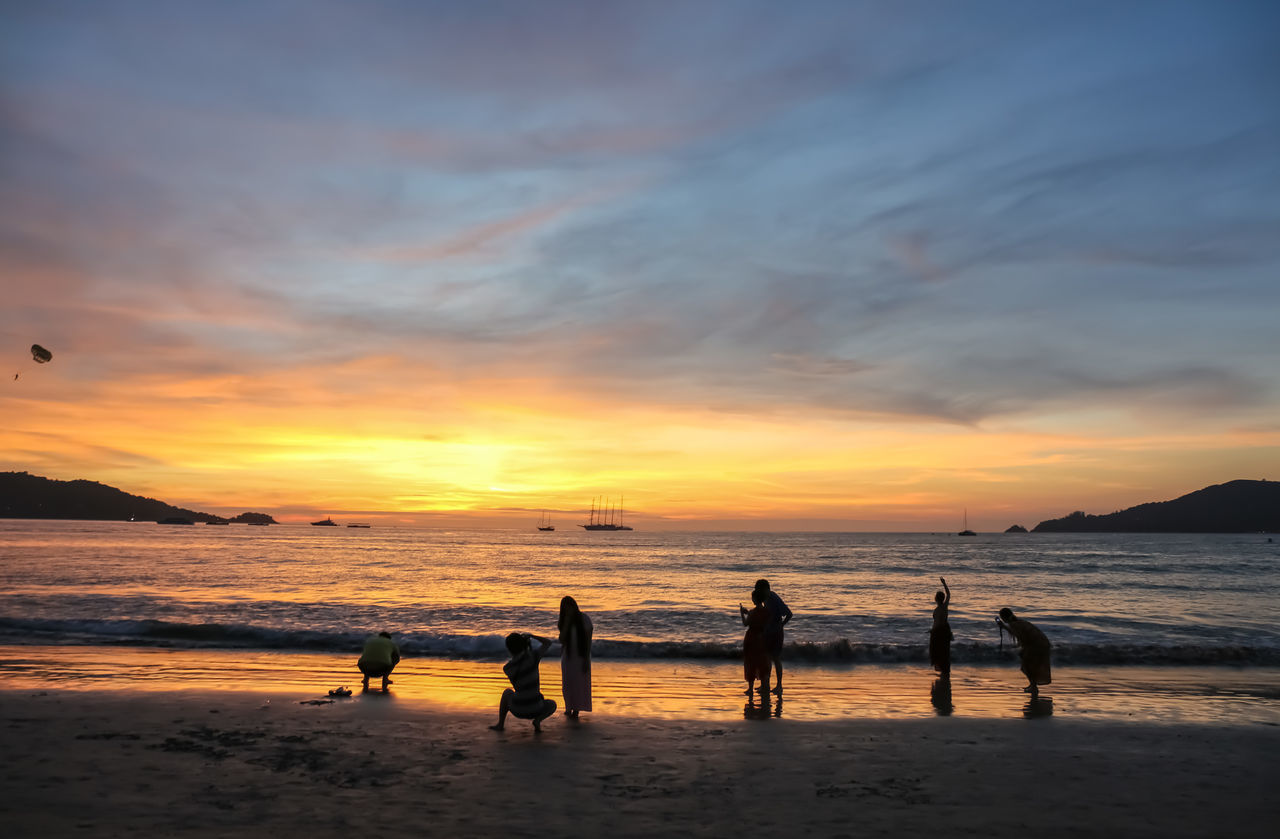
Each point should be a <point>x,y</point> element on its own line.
<point>380,657</point>
<point>1033,649</point>
<point>524,698</point>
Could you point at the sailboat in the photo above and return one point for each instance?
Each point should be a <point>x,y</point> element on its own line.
<point>602,518</point>
<point>966,531</point>
<point>545,523</point>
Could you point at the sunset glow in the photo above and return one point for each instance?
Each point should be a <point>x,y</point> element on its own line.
<point>439,266</point>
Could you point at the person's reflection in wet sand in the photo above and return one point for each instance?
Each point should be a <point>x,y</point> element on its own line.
<point>940,696</point>
<point>754,710</point>
<point>1040,707</point>
<point>777,708</point>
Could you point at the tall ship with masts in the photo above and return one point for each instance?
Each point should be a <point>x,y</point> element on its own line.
<point>605,517</point>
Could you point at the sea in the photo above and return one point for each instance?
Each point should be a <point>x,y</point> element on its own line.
<point>1110,603</point>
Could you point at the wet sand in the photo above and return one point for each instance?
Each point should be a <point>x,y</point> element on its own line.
<point>678,689</point>
<point>208,763</point>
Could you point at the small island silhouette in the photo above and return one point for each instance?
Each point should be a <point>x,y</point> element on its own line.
<point>25,496</point>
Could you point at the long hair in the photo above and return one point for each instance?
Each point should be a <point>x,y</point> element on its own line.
<point>572,625</point>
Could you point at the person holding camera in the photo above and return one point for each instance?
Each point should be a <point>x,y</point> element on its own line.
<point>524,698</point>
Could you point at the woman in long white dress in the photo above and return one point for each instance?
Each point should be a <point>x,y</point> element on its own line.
<point>575,657</point>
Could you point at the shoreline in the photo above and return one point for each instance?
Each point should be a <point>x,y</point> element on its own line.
<point>200,763</point>
<point>668,689</point>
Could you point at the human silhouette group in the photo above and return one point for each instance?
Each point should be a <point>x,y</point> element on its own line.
<point>761,657</point>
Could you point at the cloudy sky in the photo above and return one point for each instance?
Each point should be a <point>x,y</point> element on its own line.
<point>828,265</point>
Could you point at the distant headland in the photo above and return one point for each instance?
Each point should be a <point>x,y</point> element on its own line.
<point>1233,507</point>
<point>24,496</point>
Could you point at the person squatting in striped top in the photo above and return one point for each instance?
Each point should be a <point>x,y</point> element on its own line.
<point>524,698</point>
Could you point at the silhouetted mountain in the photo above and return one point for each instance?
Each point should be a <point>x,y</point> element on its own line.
<point>1233,507</point>
<point>24,496</point>
<point>1016,528</point>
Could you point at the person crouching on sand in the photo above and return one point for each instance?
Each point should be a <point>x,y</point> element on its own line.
<point>1033,648</point>
<point>380,657</point>
<point>524,698</point>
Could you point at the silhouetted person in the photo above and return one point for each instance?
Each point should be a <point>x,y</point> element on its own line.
<point>575,657</point>
<point>779,616</point>
<point>525,700</point>
<point>940,634</point>
<point>755,651</point>
<point>379,658</point>
<point>1033,649</point>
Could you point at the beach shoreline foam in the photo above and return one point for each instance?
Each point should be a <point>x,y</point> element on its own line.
<point>202,763</point>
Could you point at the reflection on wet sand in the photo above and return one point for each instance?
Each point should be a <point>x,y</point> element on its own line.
<point>940,696</point>
<point>1040,707</point>
<point>668,689</point>
<point>761,710</point>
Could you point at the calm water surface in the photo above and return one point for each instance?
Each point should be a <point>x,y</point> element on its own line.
<point>1124,600</point>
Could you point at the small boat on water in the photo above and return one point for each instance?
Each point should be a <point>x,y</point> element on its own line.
<point>545,523</point>
<point>604,517</point>
<point>217,522</point>
<point>966,531</point>
<point>357,525</point>
<point>324,523</point>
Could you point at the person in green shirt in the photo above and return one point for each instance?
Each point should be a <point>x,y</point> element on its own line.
<point>380,657</point>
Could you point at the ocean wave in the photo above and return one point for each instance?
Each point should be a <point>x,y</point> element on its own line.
<point>159,633</point>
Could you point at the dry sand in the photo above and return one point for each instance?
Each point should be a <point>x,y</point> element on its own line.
<point>124,763</point>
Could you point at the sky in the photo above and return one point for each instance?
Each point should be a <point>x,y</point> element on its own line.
<point>748,265</point>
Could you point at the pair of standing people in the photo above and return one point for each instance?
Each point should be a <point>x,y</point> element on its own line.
<point>524,698</point>
<point>762,644</point>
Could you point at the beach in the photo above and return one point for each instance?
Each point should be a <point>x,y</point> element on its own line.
<point>200,760</point>
<point>160,683</point>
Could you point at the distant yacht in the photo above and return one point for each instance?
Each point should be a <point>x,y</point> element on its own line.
<point>357,525</point>
<point>324,523</point>
<point>966,531</point>
<point>603,517</point>
<point>545,523</point>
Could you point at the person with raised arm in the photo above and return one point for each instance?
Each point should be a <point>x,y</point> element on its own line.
<point>940,634</point>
